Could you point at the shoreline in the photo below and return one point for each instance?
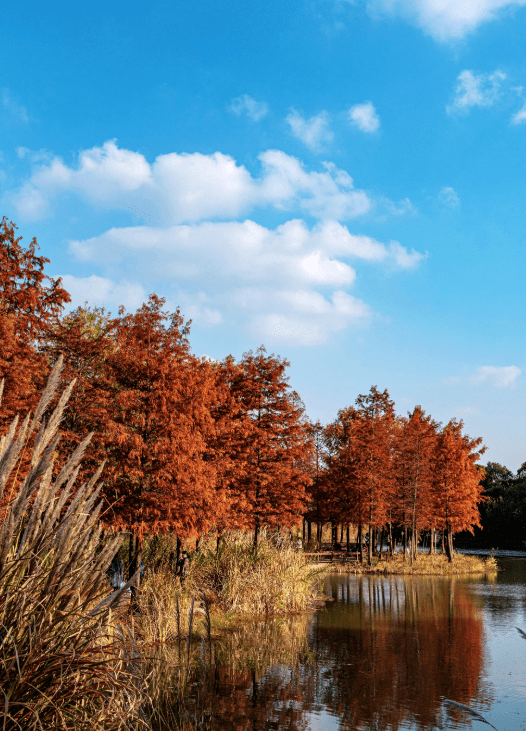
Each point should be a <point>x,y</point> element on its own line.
<point>423,565</point>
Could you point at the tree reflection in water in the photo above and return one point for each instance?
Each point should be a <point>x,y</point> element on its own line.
<point>382,655</point>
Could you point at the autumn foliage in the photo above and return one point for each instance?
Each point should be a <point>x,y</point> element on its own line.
<point>193,446</point>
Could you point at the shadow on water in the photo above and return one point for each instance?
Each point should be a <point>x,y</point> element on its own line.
<point>383,654</point>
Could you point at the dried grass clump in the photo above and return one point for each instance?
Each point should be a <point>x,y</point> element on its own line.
<point>65,662</point>
<point>275,579</point>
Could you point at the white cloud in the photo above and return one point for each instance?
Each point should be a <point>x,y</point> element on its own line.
<point>220,271</point>
<point>476,90</point>
<point>103,291</point>
<point>365,117</point>
<point>16,110</point>
<point>520,116</point>
<point>449,197</point>
<point>314,132</point>
<point>306,318</point>
<point>444,20</point>
<point>498,377</point>
<point>232,271</point>
<point>404,207</point>
<point>245,104</point>
<point>180,188</point>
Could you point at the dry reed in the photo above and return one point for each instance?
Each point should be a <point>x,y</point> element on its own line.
<point>65,661</point>
<point>276,579</point>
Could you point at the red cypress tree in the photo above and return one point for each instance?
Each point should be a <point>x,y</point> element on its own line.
<point>30,303</point>
<point>146,398</point>
<point>415,443</point>
<point>374,439</point>
<point>457,488</point>
<point>318,510</point>
<point>272,479</point>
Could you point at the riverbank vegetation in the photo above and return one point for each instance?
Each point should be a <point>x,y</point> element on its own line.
<point>423,565</point>
<point>193,447</point>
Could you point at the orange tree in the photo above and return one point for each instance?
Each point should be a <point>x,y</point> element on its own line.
<point>146,398</point>
<point>30,303</point>
<point>317,492</point>
<point>271,480</point>
<point>374,440</point>
<point>457,488</point>
<point>414,447</point>
<point>345,471</point>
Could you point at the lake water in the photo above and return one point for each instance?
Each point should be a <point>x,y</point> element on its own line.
<point>384,654</point>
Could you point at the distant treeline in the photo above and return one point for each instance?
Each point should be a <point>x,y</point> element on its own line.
<point>502,512</point>
<point>193,446</point>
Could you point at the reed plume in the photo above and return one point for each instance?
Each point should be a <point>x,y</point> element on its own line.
<point>65,661</point>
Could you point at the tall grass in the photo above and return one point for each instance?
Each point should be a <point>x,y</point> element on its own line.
<point>65,661</point>
<point>275,579</point>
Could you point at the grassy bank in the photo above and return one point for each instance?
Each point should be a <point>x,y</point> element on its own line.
<point>424,564</point>
<point>233,581</point>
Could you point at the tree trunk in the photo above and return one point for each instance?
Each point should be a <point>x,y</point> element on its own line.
<point>304,530</point>
<point>130,556</point>
<point>370,551</point>
<point>348,538</point>
<point>136,566</point>
<point>431,541</point>
<point>197,541</point>
<point>416,539</point>
<point>256,532</point>
<point>405,541</point>
<point>381,541</point>
<point>341,533</point>
<point>360,541</point>
<point>449,544</point>
<point>309,531</point>
<point>178,551</point>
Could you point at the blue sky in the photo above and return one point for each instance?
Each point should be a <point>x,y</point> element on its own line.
<point>341,180</point>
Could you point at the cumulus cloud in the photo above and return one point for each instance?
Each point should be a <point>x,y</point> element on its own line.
<point>307,318</point>
<point>103,291</point>
<point>245,104</point>
<point>444,20</point>
<point>520,116</point>
<point>195,241</point>
<point>314,132</point>
<point>476,90</point>
<point>364,117</point>
<point>496,376</point>
<point>190,187</point>
<point>15,110</point>
<point>448,196</point>
<point>232,270</point>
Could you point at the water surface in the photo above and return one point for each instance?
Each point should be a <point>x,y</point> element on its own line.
<point>384,653</point>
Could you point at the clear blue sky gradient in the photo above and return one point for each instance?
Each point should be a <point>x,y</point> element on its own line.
<point>443,174</point>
